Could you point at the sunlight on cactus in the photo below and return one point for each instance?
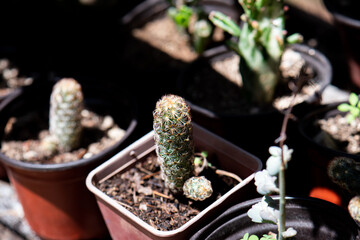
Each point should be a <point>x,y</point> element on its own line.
<point>66,104</point>
<point>261,44</point>
<point>174,141</point>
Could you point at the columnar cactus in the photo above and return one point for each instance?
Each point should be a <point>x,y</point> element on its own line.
<point>261,43</point>
<point>174,141</point>
<point>66,104</point>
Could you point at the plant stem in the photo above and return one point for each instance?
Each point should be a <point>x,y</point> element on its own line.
<point>282,184</point>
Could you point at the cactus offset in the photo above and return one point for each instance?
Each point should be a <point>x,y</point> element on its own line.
<point>66,104</point>
<point>197,188</point>
<point>174,141</point>
<point>261,43</point>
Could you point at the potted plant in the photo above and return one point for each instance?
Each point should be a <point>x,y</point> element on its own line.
<point>345,172</point>
<point>246,78</point>
<point>48,153</point>
<point>175,142</point>
<point>346,19</point>
<point>280,217</point>
<point>328,133</point>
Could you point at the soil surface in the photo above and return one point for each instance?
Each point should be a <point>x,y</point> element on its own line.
<point>11,78</point>
<point>339,134</point>
<point>25,143</point>
<point>142,191</point>
<point>221,96</point>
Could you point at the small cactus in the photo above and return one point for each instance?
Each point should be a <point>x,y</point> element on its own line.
<point>174,141</point>
<point>66,104</point>
<point>261,43</point>
<point>346,173</point>
<point>190,18</point>
<point>197,188</point>
<point>354,208</point>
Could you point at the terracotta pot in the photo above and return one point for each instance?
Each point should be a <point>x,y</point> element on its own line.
<point>313,219</point>
<point>54,197</point>
<point>122,224</point>
<point>316,157</point>
<point>254,132</point>
<point>346,19</point>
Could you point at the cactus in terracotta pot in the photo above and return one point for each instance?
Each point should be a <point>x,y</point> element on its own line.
<point>260,44</point>
<point>173,134</point>
<point>346,173</point>
<point>66,104</point>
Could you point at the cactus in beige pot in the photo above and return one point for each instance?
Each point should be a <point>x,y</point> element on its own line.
<point>66,104</point>
<point>173,134</point>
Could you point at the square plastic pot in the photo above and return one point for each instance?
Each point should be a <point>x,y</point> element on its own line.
<point>122,224</point>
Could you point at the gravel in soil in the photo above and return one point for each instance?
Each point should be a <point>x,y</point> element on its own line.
<point>142,191</point>
<point>24,143</point>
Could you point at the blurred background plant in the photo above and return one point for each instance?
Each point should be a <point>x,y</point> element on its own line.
<point>260,42</point>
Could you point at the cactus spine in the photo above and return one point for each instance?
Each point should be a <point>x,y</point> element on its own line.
<point>66,104</point>
<point>261,43</point>
<point>197,188</point>
<point>174,141</point>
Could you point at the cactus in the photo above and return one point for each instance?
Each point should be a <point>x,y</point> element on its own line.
<point>354,208</point>
<point>261,43</point>
<point>191,19</point>
<point>197,188</point>
<point>66,104</point>
<point>174,141</point>
<point>346,173</point>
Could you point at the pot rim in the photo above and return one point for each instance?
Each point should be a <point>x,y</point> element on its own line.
<point>60,166</point>
<point>311,55</point>
<point>90,183</point>
<point>343,19</point>
<point>309,119</point>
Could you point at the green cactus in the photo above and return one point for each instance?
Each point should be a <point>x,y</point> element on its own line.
<point>261,43</point>
<point>197,188</point>
<point>346,173</point>
<point>66,104</point>
<point>174,141</point>
<point>191,19</point>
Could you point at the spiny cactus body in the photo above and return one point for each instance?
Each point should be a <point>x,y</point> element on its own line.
<point>66,104</point>
<point>174,141</point>
<point>197,188</point>
<point>261,43</point>
<point>346,173</point>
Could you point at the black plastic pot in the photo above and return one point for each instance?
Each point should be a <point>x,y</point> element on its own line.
<point>253,132</point>
<point>346,18</point>
<point>316,156</point>
<point>55,200</point>
<point>313,219</point>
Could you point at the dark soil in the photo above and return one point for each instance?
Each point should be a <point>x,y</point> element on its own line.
<point>24,135</point>
<point>142,191</point>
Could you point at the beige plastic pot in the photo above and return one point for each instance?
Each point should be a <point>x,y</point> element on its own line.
<point>122,224</point>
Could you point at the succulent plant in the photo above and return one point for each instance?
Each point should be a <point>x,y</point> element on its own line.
<point>260,44</point>
<point>191,19</point>
<point>346,173</point>
<point>197,188</point>
<point>174,141</point>
<point>354,208</point>
<point>66,104</point>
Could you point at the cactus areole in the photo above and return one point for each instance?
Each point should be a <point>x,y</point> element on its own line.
<point>66,104</point>
<point>173,134</point>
